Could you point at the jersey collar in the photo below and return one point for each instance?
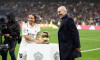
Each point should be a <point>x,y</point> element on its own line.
<point>30,25</point>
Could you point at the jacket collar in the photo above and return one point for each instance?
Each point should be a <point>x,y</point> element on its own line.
<point>63,21</point>
<point>65,16</point>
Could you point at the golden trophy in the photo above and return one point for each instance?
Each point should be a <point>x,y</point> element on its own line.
<point>45,36</point>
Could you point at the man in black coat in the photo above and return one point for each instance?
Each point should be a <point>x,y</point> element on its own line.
<point>68,37</point>
<point>11,33</point>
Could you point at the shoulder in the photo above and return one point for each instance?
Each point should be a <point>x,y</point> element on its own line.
<point>17,23</point>
<point>24,25</point>
<point>37,26</point>
<point>70,20</point>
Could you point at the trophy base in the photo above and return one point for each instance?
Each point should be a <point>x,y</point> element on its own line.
<point>45,42</point>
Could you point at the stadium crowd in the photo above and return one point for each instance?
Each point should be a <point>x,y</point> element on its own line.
<point>84,13</point>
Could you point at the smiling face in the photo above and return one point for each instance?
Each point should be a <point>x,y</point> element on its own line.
<point>61,11</point>
<point>31,19</point>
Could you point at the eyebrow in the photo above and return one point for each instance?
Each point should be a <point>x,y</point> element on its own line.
<point>31,17</point>
<point>58,11</point>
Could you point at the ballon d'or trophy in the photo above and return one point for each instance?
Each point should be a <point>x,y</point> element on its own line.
<point>45,36</point>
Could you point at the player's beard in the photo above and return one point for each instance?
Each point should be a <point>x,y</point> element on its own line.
<point>31,22</point>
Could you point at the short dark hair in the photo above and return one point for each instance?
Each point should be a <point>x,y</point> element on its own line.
<point>11,16</point>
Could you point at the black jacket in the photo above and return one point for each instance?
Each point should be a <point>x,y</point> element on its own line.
<point>13,28</point>
<point>68,37</point>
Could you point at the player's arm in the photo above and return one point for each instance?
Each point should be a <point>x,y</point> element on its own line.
<point>25,34</point>
<point>75,34</point>
<point>30,39</point>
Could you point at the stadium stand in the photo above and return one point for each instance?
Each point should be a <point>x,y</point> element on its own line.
<point>83,13</point>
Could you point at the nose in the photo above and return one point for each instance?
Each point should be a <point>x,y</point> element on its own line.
<point>58,13</point>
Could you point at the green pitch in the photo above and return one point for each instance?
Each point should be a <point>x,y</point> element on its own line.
<point>90,39</point>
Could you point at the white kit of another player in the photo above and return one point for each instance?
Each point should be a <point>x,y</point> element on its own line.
<point>30,31</point>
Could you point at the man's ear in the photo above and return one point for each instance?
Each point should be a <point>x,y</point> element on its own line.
<point>65,12</point>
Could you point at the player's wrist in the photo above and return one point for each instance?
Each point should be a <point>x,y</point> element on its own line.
<point>33,40</point>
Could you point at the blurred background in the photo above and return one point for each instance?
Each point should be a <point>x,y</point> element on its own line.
<point>82,11</point>
<point>86,15</point>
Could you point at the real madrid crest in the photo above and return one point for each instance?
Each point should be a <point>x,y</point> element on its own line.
<point>38,56</point>
<point>25,30</point>
<point>56,56</point>
<point>35,31</point>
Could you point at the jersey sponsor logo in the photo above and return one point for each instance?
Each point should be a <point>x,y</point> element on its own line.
<point>35,31</point>
<point>31,35</point>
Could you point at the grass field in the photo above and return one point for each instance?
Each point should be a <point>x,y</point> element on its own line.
<point>90,39</point>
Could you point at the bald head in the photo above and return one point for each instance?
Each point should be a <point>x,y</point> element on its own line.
<point>62,8</point>
<point>62,11</point>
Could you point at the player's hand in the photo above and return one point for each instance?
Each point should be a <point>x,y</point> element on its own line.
<point>40,42</point>
<point>36,41</point>
<point>78,49</point>
<point>7,35</point>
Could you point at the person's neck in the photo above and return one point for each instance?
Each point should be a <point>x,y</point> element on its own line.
<point>32,24</point>
<point>64,16</point>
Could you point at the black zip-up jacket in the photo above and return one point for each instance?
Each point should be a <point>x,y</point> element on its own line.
<point>13,28</point>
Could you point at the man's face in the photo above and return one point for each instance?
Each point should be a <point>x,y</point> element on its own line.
<point>31,19</point>
<point>61,12</point>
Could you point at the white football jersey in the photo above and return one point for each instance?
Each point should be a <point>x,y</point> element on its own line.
<point>30,31</point>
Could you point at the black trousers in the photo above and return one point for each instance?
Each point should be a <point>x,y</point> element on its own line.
<point>70,59</point>
<point>12,45</point>
<point>67,58</point>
